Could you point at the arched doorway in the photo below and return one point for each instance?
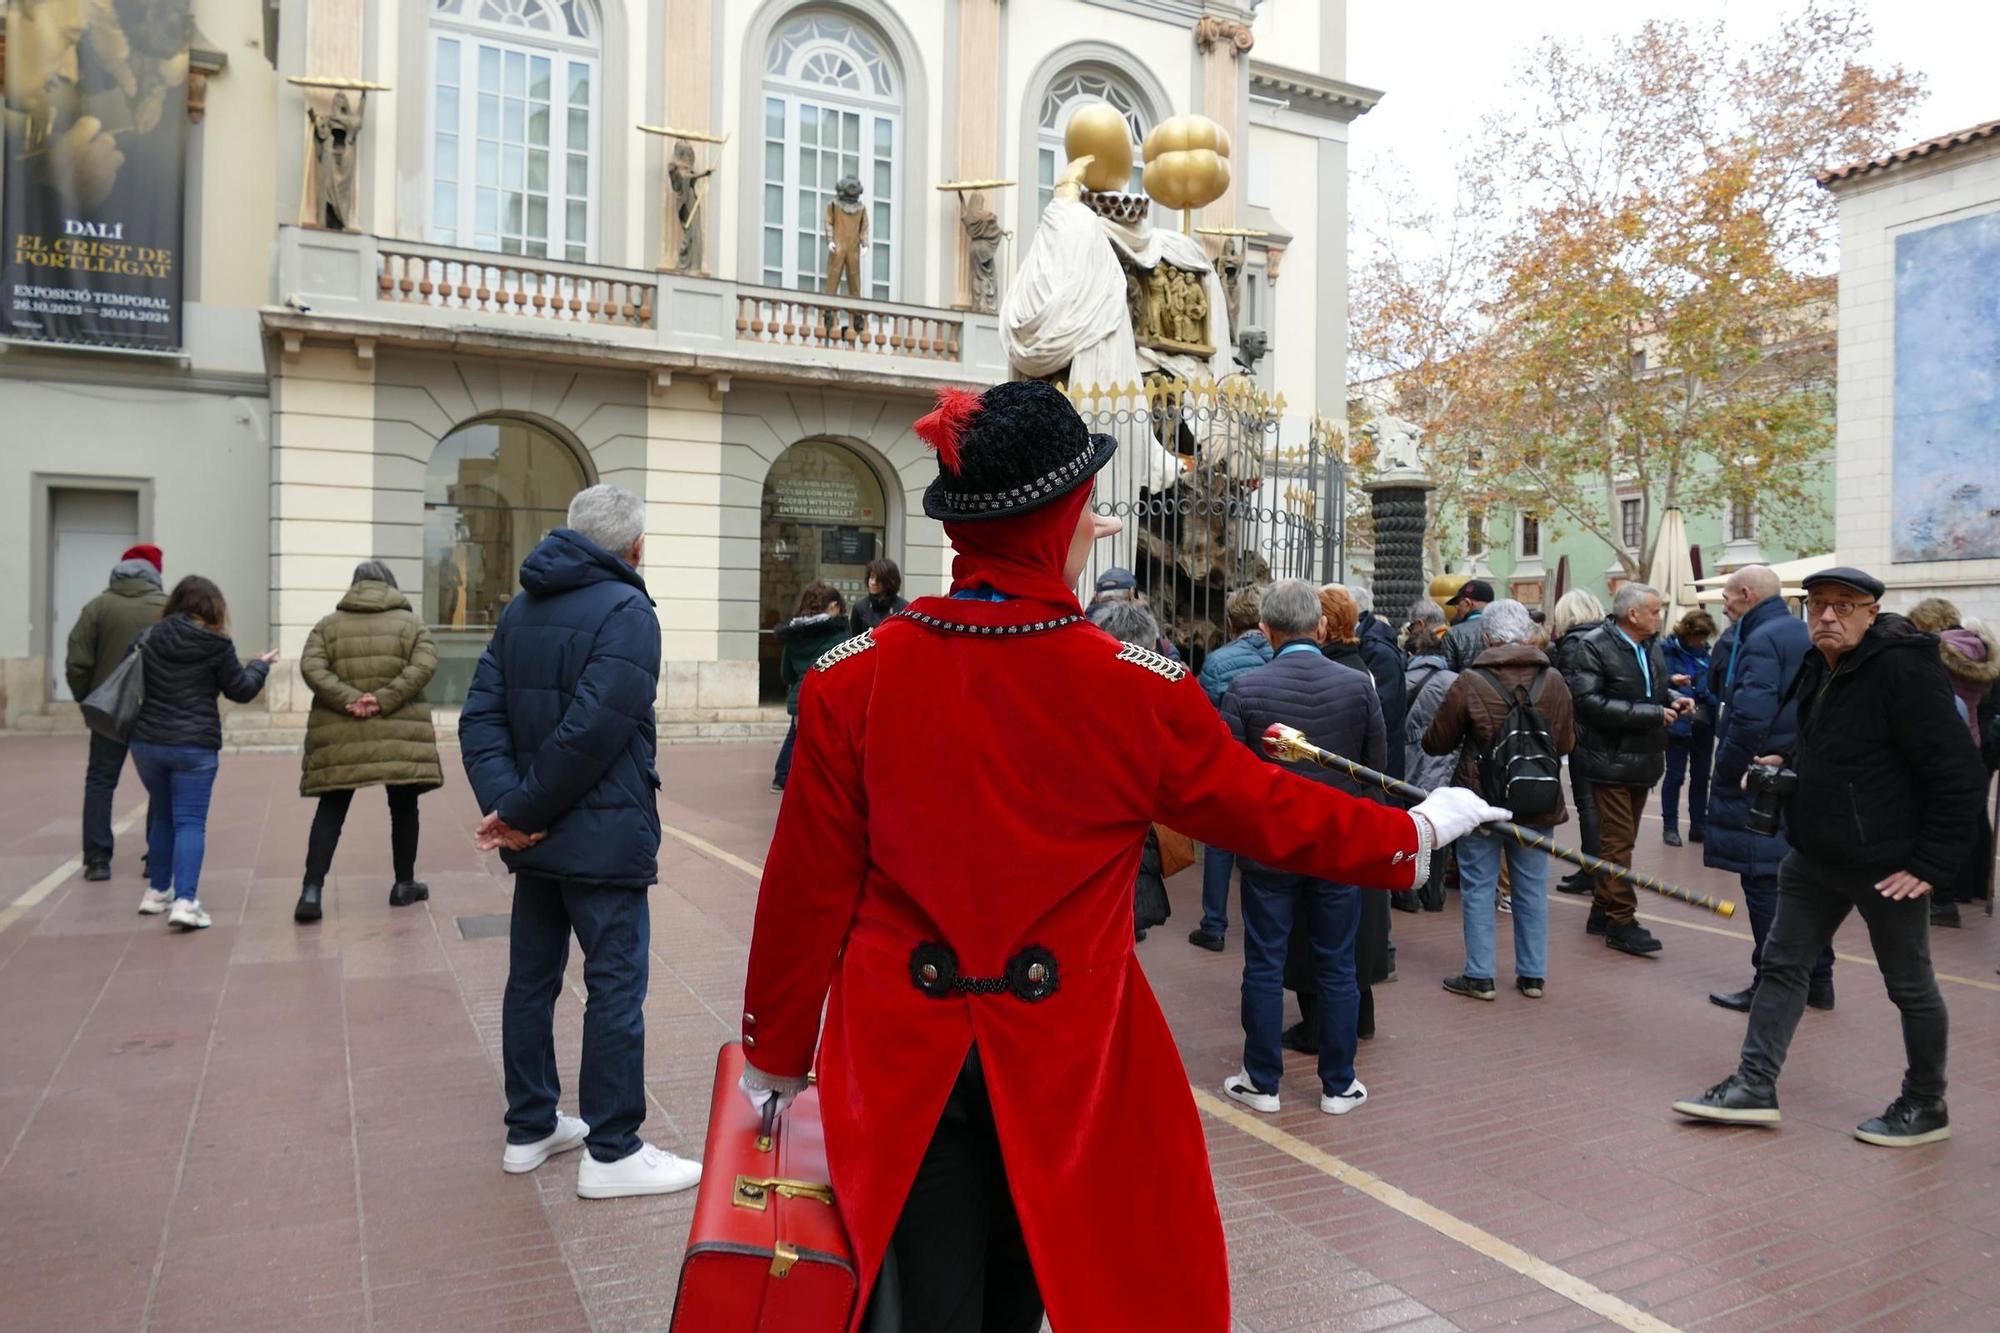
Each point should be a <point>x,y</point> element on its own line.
<point>825,517</point>
<point>493,489</point>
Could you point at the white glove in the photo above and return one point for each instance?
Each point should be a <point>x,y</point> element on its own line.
<point>760,1088</point>
<point>1453,812</point>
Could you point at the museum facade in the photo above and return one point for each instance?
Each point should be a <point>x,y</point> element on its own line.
<point>448,261</point>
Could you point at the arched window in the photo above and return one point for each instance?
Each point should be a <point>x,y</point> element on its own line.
<point>825,518</point>
<point>493,489</point>
<point>832,108</point>
<point>1072,89</point>
<point>514,126</point>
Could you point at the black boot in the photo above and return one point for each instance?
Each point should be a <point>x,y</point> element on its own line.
<point>1404,900</point>
<point>97,871</point>
<point>308,906</point>
<point>1671,836</point>
<point>1945,915</point>
<point>1597,923</point>
<point>408,891</point>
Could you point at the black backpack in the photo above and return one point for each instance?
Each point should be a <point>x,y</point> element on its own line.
<point>1521,769</point>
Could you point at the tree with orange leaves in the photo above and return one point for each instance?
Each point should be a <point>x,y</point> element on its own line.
<point>1634,291</point>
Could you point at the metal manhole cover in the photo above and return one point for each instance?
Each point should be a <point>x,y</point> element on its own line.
<point>493,926</point>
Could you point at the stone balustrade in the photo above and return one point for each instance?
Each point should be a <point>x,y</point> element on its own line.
<point>406,291</point>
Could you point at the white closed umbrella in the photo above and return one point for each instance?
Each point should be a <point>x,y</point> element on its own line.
<point>1671,570</point>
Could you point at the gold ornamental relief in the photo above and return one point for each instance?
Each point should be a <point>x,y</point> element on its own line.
<point>1169,308</point>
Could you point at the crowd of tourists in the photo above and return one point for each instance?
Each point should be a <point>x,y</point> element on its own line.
<point>1836,762</point>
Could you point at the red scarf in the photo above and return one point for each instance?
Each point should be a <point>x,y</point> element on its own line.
<point>1021,555</point>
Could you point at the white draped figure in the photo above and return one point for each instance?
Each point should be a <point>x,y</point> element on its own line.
<point>1067,306</point>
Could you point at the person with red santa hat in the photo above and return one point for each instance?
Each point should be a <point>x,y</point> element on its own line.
<point>951,878</point>
<point>103,634</point>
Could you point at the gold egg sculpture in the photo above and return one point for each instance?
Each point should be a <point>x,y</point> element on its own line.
<point>1098,130</point>
<point>1187,162</point>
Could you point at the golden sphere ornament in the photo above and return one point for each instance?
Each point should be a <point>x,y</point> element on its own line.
<point>1097,130</point>
<point>1187,162</point>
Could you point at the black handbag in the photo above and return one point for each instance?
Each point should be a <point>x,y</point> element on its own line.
<point>112,708</point>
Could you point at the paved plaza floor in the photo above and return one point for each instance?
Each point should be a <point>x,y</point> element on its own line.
<point>268,1126</point>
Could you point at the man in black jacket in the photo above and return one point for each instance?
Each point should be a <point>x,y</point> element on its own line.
<point>1623,710</point>
<point>1888,795</point>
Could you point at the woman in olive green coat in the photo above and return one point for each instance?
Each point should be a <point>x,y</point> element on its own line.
<point>367,665</point>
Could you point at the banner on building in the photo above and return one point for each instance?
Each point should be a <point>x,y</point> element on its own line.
<point>96,140</point>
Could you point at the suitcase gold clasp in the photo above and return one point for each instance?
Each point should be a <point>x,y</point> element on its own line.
<point>755,1192</point>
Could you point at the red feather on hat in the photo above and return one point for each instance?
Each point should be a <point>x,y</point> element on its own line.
<point>942,429</point>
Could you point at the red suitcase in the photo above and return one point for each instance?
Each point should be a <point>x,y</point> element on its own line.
<point>767,1251</point>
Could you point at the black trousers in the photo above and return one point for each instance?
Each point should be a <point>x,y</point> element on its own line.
<point>961,1262</point>
<point>332,814</point>
<point>1813,900</point>
<point>1582,792</point>
<point>100,784</point>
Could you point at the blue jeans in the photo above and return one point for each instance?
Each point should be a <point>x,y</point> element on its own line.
<point>1216,864</point>
<point>1479,883</point>
<point>1270,898</point>
<point>1760,898</point>
<point>179,780</point>
<point>1684,752</point>
<point>615,930</point>
<point>783,771</point>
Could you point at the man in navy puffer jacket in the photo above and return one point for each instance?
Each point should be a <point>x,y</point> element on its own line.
<point>1751,672</point>
<point>558,739</point>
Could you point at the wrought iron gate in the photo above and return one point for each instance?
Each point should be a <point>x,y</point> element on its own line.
<point>1218,490</point>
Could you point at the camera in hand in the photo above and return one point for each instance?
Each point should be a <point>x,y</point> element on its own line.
<point>1770,785</point>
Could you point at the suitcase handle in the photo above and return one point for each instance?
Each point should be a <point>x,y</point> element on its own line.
<point>767,1133</point>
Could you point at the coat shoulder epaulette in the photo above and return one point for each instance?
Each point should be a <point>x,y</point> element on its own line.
<point>845,649</point>
<point>1157,663</point>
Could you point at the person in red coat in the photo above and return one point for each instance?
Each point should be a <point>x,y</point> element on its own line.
<point>1007,1120</point>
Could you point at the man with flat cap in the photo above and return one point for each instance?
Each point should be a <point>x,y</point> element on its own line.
<point>950,884</point>
<point>1883,807</point>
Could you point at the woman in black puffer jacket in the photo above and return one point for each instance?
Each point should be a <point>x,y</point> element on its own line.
<point>177,738</point>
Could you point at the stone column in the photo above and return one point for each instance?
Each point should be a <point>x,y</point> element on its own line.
<point>1400,503</point>
<point>1225,45</point>
<point>977,146</point>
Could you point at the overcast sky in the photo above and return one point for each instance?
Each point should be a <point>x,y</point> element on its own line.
<point>1445,63</point>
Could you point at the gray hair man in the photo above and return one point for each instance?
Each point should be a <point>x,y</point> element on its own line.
<point>1624,702</point>
<point>1470,722</point>
<point>1336,707</point>
<point>1370,625</point>
<point>1756,660</point>
<point>559,743</point>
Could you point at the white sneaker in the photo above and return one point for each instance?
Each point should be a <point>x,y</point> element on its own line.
<point>1239,1088</point>
<point>1357,1093</point>
<point>648,1171</point>
<point>187,915</point>
<point>521,1157</point>
<point>155,902</point>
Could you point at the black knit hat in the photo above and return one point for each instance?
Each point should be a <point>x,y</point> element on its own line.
<point>1013,448</point>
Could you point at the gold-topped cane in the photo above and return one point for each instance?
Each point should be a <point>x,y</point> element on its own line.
<point>1290,744</point>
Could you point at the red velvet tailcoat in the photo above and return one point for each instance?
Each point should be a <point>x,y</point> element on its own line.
<point>991,791</point>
